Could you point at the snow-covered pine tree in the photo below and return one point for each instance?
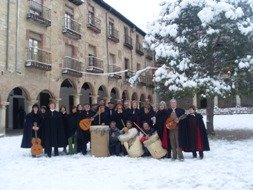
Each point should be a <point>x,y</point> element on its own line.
<point>205,47</point>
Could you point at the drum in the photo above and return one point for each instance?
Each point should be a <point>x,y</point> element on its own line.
<point>132,143</point>
<point>99,140</point>
<point>154,146</point>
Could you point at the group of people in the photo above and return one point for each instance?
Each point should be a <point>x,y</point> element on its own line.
<point>178,130</point>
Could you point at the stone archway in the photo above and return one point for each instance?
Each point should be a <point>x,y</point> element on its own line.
<point>114,95</point>
<point>134,96</point>
<point>142,100</point>
<point>17,109</point>
<point>125,95</point>
<point>44,98</point>
<point>86,93</point>
<point>101,94</point>
<point>67,93</point>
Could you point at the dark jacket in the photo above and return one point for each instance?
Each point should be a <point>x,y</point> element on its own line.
<point>54,130</point>
<point>114,140</point>
<point>197,133</point>
<point>28,132</point>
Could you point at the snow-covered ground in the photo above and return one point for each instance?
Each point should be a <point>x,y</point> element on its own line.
<point>228,165</point>
<point>242,121</point>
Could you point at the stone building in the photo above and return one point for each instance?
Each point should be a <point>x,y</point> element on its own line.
<point>61,50</point>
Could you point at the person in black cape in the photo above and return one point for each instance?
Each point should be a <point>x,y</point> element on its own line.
<point>63,112</point>
<point>29,128</point>
<point>135,115</point>
<point>160,118</point>
<point>72,131</point>
<point>54,131</point>
<point>102,118</point>
<point>119,116</point>
<point>81,144</point>
<point>197,135</point>
<point>88,113</point>
<point>147,115</point>
<point>111,112</point>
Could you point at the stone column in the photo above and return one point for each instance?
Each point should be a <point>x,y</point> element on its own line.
<point>77,98</point>
<point>94,99</point>
<point>238,100</point>
<point>216,101</point>
<point>3,117</point>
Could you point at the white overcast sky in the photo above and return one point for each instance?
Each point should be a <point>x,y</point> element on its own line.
<point>140,12</point>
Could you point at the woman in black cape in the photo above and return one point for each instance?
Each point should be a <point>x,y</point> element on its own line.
<point>31,119</point>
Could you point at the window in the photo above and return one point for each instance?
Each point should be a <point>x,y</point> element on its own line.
<point>34,43</point>
<point>91,15</point>
<point>36,7</point>
<point>91,54</point>
<point>137,39</point>
<point>138,66</point>
<point>111,28</point>
<point>126,63</point>
<point>126,31</point>
<point>69,50</point>
<point>112,60</point>
<point>69,14</point>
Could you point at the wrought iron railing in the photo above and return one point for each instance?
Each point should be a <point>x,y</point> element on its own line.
<point>38,12</point>
<point>38,55</point>
<point>72,64</point>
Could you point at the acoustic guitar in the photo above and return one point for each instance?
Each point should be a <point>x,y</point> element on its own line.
<point>171,123</point>
<point>36,148</point>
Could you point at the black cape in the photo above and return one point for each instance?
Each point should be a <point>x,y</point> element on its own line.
<point>54,130</point>
<point>28,132</point>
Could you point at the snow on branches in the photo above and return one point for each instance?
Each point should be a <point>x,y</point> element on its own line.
<point>203,44</point>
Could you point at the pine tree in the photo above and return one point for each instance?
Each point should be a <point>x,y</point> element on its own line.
<point>203,46</point>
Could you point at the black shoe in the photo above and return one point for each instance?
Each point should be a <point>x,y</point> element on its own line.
<point>201,155</point>
<point>168,155</point>
<point>194,154</point>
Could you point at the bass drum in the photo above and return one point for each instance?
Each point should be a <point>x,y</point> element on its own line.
<point>134,149</point>
<point>99,140</point>
<point>154,146</point>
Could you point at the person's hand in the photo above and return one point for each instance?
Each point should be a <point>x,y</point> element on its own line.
<point>92,119</point>
<point>177,120</point>
<point>113,135</point>
<point>35,128</point>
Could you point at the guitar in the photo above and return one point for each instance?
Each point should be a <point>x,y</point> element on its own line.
<point>171,123</point>
<point>85,124</point>
<point>36,148</point>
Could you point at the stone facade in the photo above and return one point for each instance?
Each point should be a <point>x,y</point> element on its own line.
<point>32,73</point>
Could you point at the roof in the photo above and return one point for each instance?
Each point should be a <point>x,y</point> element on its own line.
<point>120,16</point>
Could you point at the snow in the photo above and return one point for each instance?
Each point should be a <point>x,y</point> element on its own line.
<point>227,166</point>
<point>243,121</point>
<point>183,46</point>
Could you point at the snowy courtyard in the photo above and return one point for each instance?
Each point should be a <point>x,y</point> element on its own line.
<point>228,165</point>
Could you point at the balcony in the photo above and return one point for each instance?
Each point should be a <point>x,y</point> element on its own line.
<point>113,35</point>
<point>38,13</point>
<point>146,80</point>
<point>95,65</point>
<point>72,67</point>
<point>71,28</point>
<point>149,54</point>
<point>115,68</point>
<point>139,49</point>
<point>128,42</point>
<point>94,23</point>
<point>77,2</point>
<point>128,75</point>
<point>38,59</point>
